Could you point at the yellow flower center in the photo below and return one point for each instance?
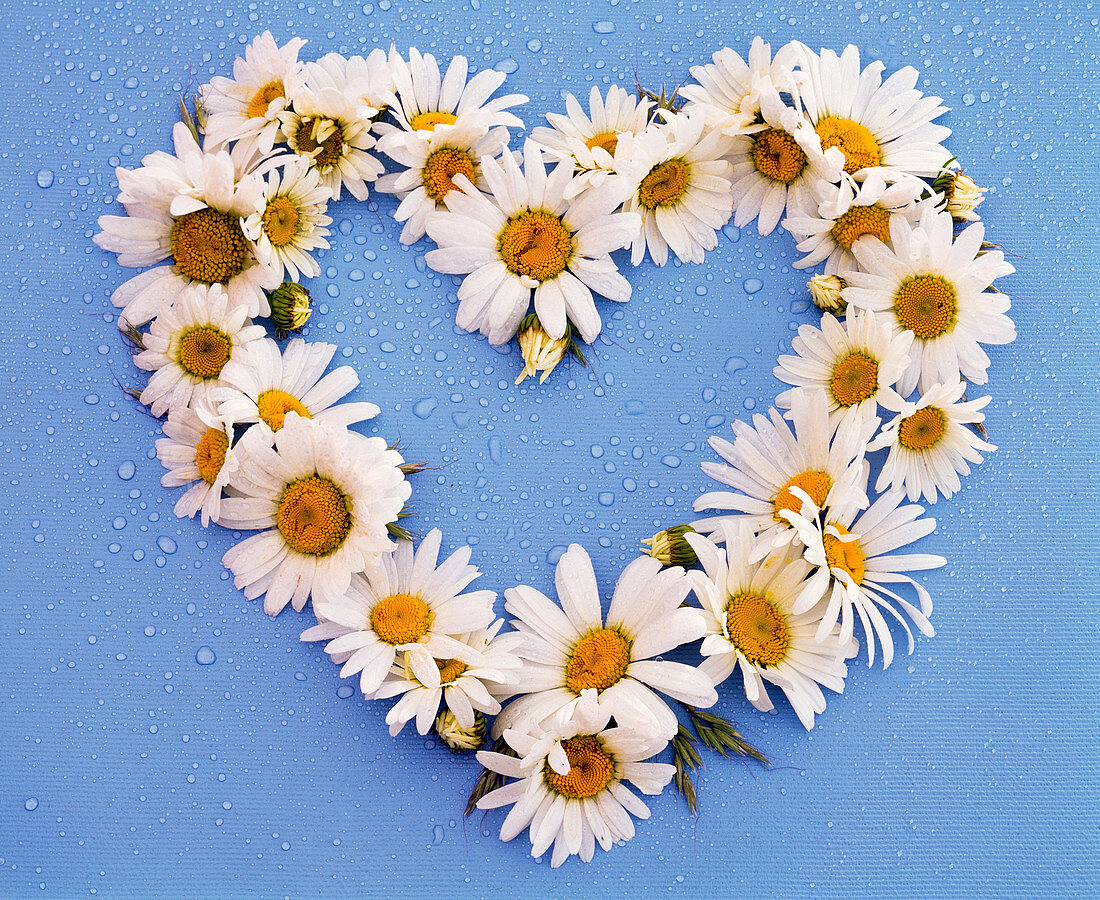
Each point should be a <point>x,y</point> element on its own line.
<point>257,106</point>
<point>325,152</point>
<point>598,661</point>
<point>665,184</point>
<point>312,515</point>
<point>605,140</point>
<point>860,149</point>
<point>757,628</point>
<point>846,555</point>
<point>926,305</point>
<point>208,245</point>
<point>280,221</point>
<point>536,244</point>
<point>273,405</point>
<point>210,453</point>
<point>591,768</point>
<point>923,429</point>
<point>815,483</point>
<point>861,220</point>
<point>777,156</point>
<point>450,669</point>
<point>401,619</point>
<point>441,167</point>
<point>426,121</point>
<point>855,379</point>
<point>203,351</point>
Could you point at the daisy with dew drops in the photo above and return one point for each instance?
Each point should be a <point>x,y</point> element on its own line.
<point>197,450</point>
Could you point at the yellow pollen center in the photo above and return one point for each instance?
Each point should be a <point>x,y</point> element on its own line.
<point>860,149</point>
<point>846,555</point>
<point>665,184</point>
<point>591,768</point>
<point>401,619</point>
<point>210,453</point>
<point>450,669</point>
<point>203,351</point>
<point>598,661</point>
<point>535,244</point>
<point>861,220</point>
<point>923,429</point>
<point>927,306</point>
<point>441,167</point>
<point>326,152</point>
<point>312,515</point>
<point>777,156</point>
<point>855,379</point>
<point>757,628</point>
<point>281,220</point>
<point>815,483</point>
<point>605,140</point>
<point>257,106</point>
<point>426,121</point>
<point>273,405</point>
<point>208,245</point>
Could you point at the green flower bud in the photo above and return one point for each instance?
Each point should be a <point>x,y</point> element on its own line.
<point>290,307</point>
<point>459,739</point>
<point>670,548</point>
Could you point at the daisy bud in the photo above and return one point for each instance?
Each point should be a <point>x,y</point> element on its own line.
<point>825,292</point>
<point>459,739</point>
<point>290,307</point>
<point>541,353</point>
<point>670,548</point>
<point>962,194</point>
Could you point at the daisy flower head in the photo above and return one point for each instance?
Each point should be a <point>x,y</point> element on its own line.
<point>873,122</point>
<point>245,108</point>
<point>197,450</point>
<point>570,790</point>
<point>748,605</point>
<point>190,343</point>
<point>366,80</point>
<point>767,461</point>
<point>936,285</point>
<point>525,238</point>
<point>855,363</point>
<point>589,140</point>
<point>930,444</point>
<point>572,648</point>
<point>679,185</point>
<point>408,606</point>
<point>323,496</point>
<point>853,555</point>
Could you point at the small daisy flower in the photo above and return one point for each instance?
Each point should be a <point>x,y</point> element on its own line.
<point>572,648</point>
<point>265,385</point>
<point>324,496</point>
<point>197,450</point>
<point>962,193</point>
<point>525,239</point>
<point>245,108</point>
<point>874,123</point>
<point>570,790</point>
<point>852,553</point>
<point>937,286</point>
<point>190,343</point>
<point>748,604</point>
<point>406,604</point>
<point>826,292</point>
<point>930,443</point>
<point>680,186</point>
<point>856,363</point>
<point>823,456</point>
<point>589,141</point>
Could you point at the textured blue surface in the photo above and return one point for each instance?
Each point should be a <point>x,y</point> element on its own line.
<point>161,736</point>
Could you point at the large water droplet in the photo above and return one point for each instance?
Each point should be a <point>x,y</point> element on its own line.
<point>44,178</point>
<point>752,285</point>
<point>423,408</point>
<point>603,27</point>
<point>437,835</point>
<point>31,805</point>
<point>166,544</point>
<point>126,470</point>
<point>204,656</point>
<point>734,364</point>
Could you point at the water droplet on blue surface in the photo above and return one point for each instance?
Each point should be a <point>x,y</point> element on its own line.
<point>31,805</point>
<point>494,449</point>
<point>437,835</point>
<point>732,232</point>
<point>126,470</point>
<point>603,27</point>
<point>44,178</point>
<point>423,408</point>
<point>734,364</point>
<point>345,691</point>
<point>752,285</point>
<point>204,656</point>
<point>166,544</point>
<point>507,65</point>
<point>673,462</point>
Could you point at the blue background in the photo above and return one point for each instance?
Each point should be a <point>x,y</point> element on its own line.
<point>161,736</point>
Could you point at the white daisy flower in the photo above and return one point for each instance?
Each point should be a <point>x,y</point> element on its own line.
<point>571,789</point>
<point>571,648</point>
<point>324,496</point>
<point>930,443</point>
<point>289,220</point>
<point>527,238</point>
<point>680,186</point>
<point>874,123</point>
<point>589,141</point>
<point>190,343</point>
<point>431,160</point>
<point>188,206</point>
<point>855,363</point>
<point>823,456</point>
<point>197,450</point>
<point>748,604</point>
<point>849,212</point>
<point>854,567</point>
<point>245,108</point>
<point>367,81</point>
<point>406,604</point>
<point>936,285</point>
